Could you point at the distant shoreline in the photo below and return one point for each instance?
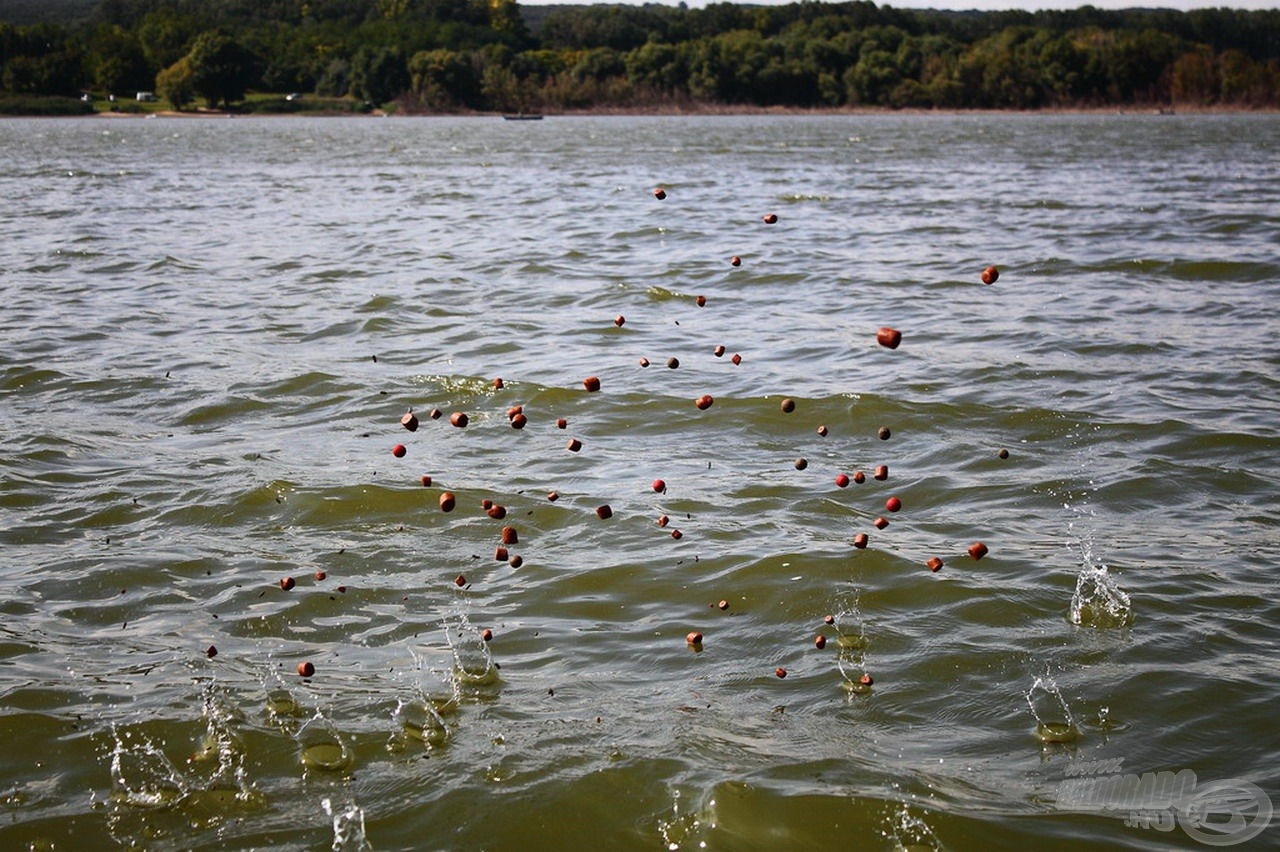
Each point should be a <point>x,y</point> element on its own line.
<point>708,110</point>
<point>714,110</point>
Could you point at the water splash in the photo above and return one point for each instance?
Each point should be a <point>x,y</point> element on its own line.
<point>322,747</point>
<point>282,707</point>
<point>418,719</point>
<point>1098,600</point>
<point>473,665</point>
<point>221,745</point>
<point>142,774</point>
<point>419,715</point>
<point>153,797</point>
<point>1104,723</point>
<point>851,646</point>
<point>908,832</point>
<point>1054,723</point>
<point>348,827</point>
<point>684,830</point>
<point>444,705</point>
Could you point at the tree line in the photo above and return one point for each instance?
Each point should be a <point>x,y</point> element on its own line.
<point>430,56</point>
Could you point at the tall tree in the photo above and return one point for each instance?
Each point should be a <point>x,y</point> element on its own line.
<point>222,69</point>
<point>44,59</point>
<point>378,74</point>
<point>176,83</point>
<point>117,61</point>
<point>165,36</point>
<point>444,80</point>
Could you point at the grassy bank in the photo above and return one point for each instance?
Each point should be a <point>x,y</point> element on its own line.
<point>40,105</point>
<point>255,103</point>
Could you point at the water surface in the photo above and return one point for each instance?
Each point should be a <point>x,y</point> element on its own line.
<point>211,329</point>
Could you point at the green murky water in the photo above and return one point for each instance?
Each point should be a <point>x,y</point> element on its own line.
<point>211,330</point>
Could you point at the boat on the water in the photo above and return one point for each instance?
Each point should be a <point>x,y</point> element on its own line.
<point>521,116</point>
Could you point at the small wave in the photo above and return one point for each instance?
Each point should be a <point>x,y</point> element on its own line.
<point>342,329</point>
<point>170,262</point>
<point>18,378</point>
<point>339,273</point>
<point>1200,271</point>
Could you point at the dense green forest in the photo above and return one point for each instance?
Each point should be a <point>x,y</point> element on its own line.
<point>473,55</point>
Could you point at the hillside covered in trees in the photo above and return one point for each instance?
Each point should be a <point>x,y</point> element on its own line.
<point>474,55</point>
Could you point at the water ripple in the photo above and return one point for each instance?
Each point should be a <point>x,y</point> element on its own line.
<point>202,391</point>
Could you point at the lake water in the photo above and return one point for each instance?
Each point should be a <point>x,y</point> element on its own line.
<point>212,328</point>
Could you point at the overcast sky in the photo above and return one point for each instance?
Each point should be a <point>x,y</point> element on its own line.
<point>990,5</point>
